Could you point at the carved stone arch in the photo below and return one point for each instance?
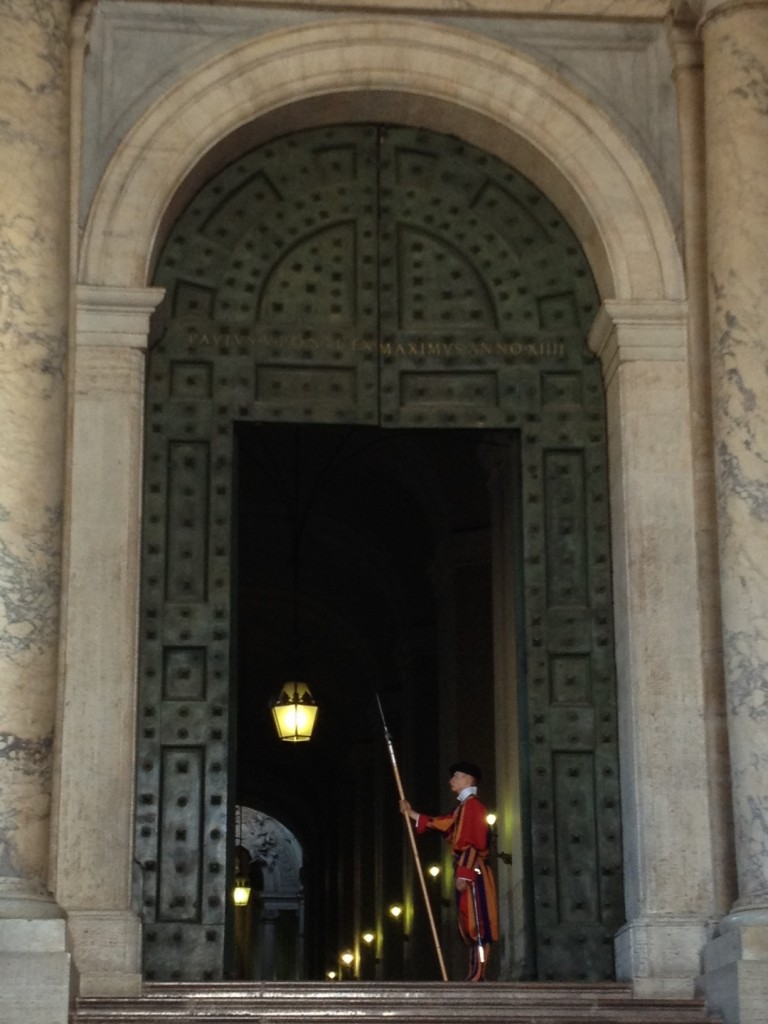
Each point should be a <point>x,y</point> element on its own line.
<point>551,133</point>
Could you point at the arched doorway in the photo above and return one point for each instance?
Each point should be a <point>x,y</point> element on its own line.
<point>269,923</point>
<point>386,278</point>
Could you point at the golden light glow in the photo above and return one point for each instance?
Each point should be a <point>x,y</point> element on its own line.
<point>294,713</point>
<point>491,819</point>
<point>347,957</point>
<point>395,910</point>
<point>368,938</point>
<point>241,893</point>
<point>331,975</point>
<point>434,870</point>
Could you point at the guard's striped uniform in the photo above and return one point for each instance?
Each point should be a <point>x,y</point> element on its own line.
<point>466,829</point>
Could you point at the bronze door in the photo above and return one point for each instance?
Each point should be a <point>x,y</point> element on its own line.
<point>392,278</point>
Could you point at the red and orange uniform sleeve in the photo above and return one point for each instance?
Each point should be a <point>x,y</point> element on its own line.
<point>441,823</point>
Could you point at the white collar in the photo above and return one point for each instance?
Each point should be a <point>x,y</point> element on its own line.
<point>466,792</point>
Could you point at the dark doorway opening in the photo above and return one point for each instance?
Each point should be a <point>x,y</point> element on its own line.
<point>363,567</point>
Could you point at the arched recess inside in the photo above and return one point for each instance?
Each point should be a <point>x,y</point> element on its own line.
<point>269,928</point>
<point>457,83</point>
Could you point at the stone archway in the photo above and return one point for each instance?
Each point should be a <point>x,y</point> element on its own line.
<point>494,97</point>
<point>571,150</point>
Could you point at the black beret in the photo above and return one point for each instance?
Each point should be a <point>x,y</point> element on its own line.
<point>467,768</point>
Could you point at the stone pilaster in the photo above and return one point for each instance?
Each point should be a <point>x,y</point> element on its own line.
<point>735,38</point>
<point>96,751</point>
<point>688,60</point>
<point>34,204</point>
<point>667,827</point>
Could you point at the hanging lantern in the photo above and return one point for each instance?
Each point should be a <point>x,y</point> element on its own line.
<point>241,893</point>
<point>294,712</point>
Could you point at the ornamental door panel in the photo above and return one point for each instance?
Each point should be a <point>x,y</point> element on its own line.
<point>486,300</point>
<point>386,277</point>
<point>271,314</point>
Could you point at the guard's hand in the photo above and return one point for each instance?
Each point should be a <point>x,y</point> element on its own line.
<point>405,808</point>
<point>462,884</point>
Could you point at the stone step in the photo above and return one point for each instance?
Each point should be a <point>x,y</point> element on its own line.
<point>391,1003</point>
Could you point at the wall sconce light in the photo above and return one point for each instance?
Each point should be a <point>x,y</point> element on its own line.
<point>491,820</point>
<point>434,870</point>
<point>331,975</point>
<point>395,911</point>
<point>368,938</point>
<point>294,712</point>
<point>347,957</point>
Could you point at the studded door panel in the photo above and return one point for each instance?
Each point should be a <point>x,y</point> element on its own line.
<point>182,785</point>
<point>392,277</point>
<point>485,304</point>
<point>271,313</point>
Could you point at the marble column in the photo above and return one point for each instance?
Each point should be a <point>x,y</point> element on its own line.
<point>735,39</point>
<point>34,203</point>
<point>667,828</point>
<point>688,61</point>
<point>95,766</point>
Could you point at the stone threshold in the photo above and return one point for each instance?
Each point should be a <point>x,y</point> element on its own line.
<point>391,1002</point>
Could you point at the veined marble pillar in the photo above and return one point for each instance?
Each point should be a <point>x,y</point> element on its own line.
<point>34,203</point>
<point>689,84</point>
<point>95,767</point>
<point>735,37</point>
<point>667,825</point>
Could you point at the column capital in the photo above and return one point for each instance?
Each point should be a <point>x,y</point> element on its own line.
<point>705,10</point>
<point>686,10</point>
<point>115,317</point>
<point>684,39</point>
<point>711,9</point>
<point>632,331</point>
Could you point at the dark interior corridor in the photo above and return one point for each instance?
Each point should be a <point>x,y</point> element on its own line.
<point>352,543</point>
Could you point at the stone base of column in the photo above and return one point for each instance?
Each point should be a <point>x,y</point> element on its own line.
<point>35,965</point>
<point>106,946</point>
<point>661,955</point>
<point>735,978</point>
